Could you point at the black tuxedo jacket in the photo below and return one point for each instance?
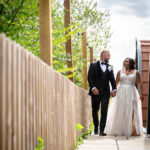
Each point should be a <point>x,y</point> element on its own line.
<point>99,79</point>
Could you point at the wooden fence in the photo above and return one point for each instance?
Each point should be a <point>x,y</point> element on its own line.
<point>37,101</point>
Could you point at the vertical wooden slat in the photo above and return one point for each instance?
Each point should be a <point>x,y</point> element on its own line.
<point>41,102</point>
<point>14,98</point>
<point>37,101</point>
<point>44,102</point>
<point>84,53</point>
<point>19,111</point>
<point>3,110</point>
<point>62,132</point>
<point>65,114</point>
<point>27,101</point>
<point>1,69</point>
<point>34,102</point>
<point>23,98</point>
<point>9,95</point>
<point>48,107</point>
<point>31,102</point>
<point>40,99</point>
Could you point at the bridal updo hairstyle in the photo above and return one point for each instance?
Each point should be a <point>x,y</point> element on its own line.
<point>131,63</point>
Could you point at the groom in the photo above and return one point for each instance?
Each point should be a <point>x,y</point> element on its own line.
<point>99,75</point>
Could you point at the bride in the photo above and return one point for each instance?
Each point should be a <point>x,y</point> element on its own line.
<point>125,113</point>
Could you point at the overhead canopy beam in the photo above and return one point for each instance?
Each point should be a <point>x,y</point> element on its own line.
<point>45,31</point>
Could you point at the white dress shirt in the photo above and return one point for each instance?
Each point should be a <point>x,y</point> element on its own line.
<point>103,66</point>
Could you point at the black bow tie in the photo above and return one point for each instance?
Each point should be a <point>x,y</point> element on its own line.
<point>103,63</point>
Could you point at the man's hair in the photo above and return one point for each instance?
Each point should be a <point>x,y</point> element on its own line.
<point>103,52</point>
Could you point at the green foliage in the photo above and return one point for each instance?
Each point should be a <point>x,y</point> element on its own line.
<point>85,16</point>
<point>84,135</point>
<point>19,19</point>
<point>40,146</point>
<point>79,127</point>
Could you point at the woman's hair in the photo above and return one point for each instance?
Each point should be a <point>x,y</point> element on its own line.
<point>131,63</point>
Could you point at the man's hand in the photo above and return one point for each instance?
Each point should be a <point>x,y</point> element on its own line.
<point>113,93</point>
<point>95,91</point>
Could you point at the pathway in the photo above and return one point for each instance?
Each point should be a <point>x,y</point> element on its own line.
<point>116,143</point>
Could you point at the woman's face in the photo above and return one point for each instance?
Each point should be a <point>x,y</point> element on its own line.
<point>126,63</point>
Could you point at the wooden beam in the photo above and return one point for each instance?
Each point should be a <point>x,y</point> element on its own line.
<point>45,31</point>
<point>84,54</point>
<point>68,44</point>
<point>91,55</point>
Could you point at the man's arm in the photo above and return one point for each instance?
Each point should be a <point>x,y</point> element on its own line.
<point>95,91</point>
<point>90,74</point>
<point>112,80</point>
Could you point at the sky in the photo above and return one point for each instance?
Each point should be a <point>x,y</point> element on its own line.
<point>130,20</point>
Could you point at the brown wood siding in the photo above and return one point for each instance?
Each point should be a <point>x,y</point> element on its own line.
<point>145,49</point>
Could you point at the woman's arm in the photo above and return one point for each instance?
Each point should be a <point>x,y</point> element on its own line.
<point>118,77</point>
<point>139,85</point>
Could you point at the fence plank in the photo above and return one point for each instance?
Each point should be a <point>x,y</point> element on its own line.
<point>1,119</point>
<point>37,101</point>
<point>34,102</point>
<point>14,98</point>
<point>19,97</point>
<point>9,96</point>
<point>4,68</point>
<point>27,101</point>
<point>23,98</point>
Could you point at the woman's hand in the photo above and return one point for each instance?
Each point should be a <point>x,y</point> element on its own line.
<point>141,97</point>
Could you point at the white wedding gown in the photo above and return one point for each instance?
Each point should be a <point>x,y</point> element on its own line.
<point>124,108</point>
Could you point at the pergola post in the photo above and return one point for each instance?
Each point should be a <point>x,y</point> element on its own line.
<point>84,54</point>
<point>45,31</point>
<point>91,55</point>
<point>68,44</point>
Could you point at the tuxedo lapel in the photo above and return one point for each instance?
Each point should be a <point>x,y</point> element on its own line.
<point>99,69</point>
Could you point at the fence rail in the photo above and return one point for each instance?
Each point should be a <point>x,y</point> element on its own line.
<point>37,101</point>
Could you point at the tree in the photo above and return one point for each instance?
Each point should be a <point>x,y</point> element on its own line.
<point>19,19</point>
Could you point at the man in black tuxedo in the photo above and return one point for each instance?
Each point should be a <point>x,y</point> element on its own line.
<point>99,75</point>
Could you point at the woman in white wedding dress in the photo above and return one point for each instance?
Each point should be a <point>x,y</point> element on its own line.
<point>125,114</point>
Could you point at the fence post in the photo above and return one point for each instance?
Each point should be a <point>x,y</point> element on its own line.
<point>68,44</point>
<point>45,31</point>
<point>84,54</point>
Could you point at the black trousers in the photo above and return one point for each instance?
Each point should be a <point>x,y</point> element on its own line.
<point>97,100</point>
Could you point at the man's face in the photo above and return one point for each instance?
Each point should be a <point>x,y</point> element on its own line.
<point>106,57</point>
